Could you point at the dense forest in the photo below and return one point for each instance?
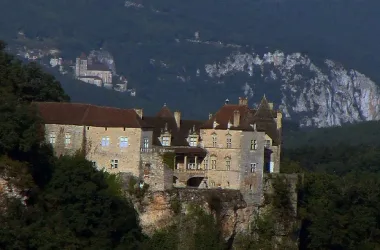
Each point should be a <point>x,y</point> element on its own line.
<point>70,205</point>
<point>367,133</point>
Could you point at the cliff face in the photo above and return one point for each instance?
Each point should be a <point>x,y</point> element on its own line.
<point>328,95</point>
<point>157,209</point>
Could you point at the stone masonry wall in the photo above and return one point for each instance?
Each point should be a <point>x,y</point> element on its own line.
<point>251,182</point>
<point>60,131</point>
<point>155,173</point>
<point>220,176</point>
<point>128,157</point>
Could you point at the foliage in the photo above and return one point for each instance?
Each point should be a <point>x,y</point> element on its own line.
<point>69,204</point>
<point>135,189</point>
<point>364,133</point>
<point>175,205</point>
<point>169,159</point>
<point>273,225</point>
<point>195,230</point>
<point>339,200</point>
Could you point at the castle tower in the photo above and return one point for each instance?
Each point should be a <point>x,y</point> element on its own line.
<point>81,65</point>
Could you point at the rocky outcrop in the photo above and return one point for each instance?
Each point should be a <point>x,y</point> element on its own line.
<point>316,96</point>
<point>157,209</point>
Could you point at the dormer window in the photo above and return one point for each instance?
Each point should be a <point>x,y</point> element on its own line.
<point>166,141</point>
<point>193,141</point>
<point>214,124</point>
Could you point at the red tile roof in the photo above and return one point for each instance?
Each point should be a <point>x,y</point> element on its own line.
<point>88,115</point>
<point>264,118</point>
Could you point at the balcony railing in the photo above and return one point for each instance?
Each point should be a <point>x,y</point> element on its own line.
<point>156,150</point>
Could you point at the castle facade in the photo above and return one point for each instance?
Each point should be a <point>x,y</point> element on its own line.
<point>233,149</point>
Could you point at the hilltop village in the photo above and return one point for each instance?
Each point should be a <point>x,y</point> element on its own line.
<point>232,149</point>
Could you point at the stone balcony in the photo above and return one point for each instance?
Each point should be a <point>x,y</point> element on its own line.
<point>156,150</point>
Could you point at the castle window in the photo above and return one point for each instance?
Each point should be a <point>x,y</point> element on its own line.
<point>229,141</point>
<point>193,141</point>
<point>267,143</point>
<point>228,184</point>
<point>146,143</point>
<point>105,141</point>
<point>114,163</point>
<point>52,138</point>
<point>253,144</point>
<point>214,141</point>
<point>166,141</point>
<point>228,164</point>
<point>212,183</point>
<point>67,139</point>
<point>213,164</point>
<point>123,142</point>
<point>205,163</point>
<point>253,167</point>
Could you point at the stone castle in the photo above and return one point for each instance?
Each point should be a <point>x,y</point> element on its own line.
<point>233,149</point>
<point>96,73</point>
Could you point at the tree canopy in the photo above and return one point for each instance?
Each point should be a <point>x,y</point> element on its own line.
<point>65,202</point>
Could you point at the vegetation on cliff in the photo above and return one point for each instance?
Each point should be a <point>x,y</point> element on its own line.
<point>340,197</point>
<point>68,204</point>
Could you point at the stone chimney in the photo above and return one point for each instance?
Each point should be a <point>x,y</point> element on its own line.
<point>279,119</point>
<point>139,112</point>
<point>177,117</point>
<point>243,101</point>
<point>270,104</point>
<point>236,118</point>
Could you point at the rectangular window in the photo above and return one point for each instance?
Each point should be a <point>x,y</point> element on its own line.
<point>166,141</point>
<point>105,141</point>
<point>267,143</point>
<point>253,144</point>
<point>213,164</point>
<point>67,139</point>
<point>253,167</point>
<point>114,163</point>
<point>229,144</point>
<point>214,141</point>
<point>52,138</point>
<point>205,164</point>
<point>193,141</point>
<point>123,142</point>
<point>146,143</point>
<point>228,165</point>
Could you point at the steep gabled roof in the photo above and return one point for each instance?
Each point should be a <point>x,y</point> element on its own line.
<point>179,135</point>
<point>165,112</point>
<point>225,115</point>
<point>88,115</point>
<point>263,117</point>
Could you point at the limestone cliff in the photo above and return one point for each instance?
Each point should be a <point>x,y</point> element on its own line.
<point>157,209</point>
